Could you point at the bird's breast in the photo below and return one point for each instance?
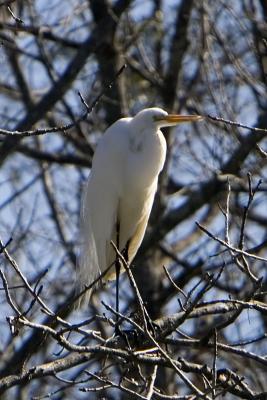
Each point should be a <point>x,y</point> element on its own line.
<point>147,154</point>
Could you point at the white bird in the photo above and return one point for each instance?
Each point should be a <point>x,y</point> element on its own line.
<point>120,191</point>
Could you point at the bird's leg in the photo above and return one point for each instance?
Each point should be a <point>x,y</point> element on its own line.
<point>125,251</point>
<point>117,269</point>
<point>150,323</point>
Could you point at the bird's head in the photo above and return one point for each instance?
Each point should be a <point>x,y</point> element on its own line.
<point>159,118</point>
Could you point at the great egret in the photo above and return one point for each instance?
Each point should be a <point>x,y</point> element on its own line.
<point>120,191</point>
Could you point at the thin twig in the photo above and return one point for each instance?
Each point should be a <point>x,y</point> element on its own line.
<point>8,296</point>
<point>142,307</point>
<point>223,242</point>
<point>233,123</point>
<point>24,279</point>
<point>64,128</point>
<point>17,19</point>
<point>184,378</point>
<point>227,214</point>
<point>173,283</point>
<point>251,194</point>
<point>152,379</point>
<point>108,383</point>
<point>214,368</point>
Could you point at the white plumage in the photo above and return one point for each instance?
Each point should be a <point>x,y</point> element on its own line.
<point>121,189</point>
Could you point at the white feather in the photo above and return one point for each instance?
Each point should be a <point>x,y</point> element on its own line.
<point>121,188</point>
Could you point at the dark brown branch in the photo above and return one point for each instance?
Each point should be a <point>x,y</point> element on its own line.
<point>91,44</point>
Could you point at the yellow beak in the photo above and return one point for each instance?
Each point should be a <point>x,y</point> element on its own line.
<point>173,118</point>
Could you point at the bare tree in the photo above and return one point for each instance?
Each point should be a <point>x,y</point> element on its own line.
<point>200,274</point>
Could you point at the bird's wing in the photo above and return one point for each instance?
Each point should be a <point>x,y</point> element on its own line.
<point>98,222</point>
<point>100,204</point>
<point>87,266</point>
<point>135,229</point>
